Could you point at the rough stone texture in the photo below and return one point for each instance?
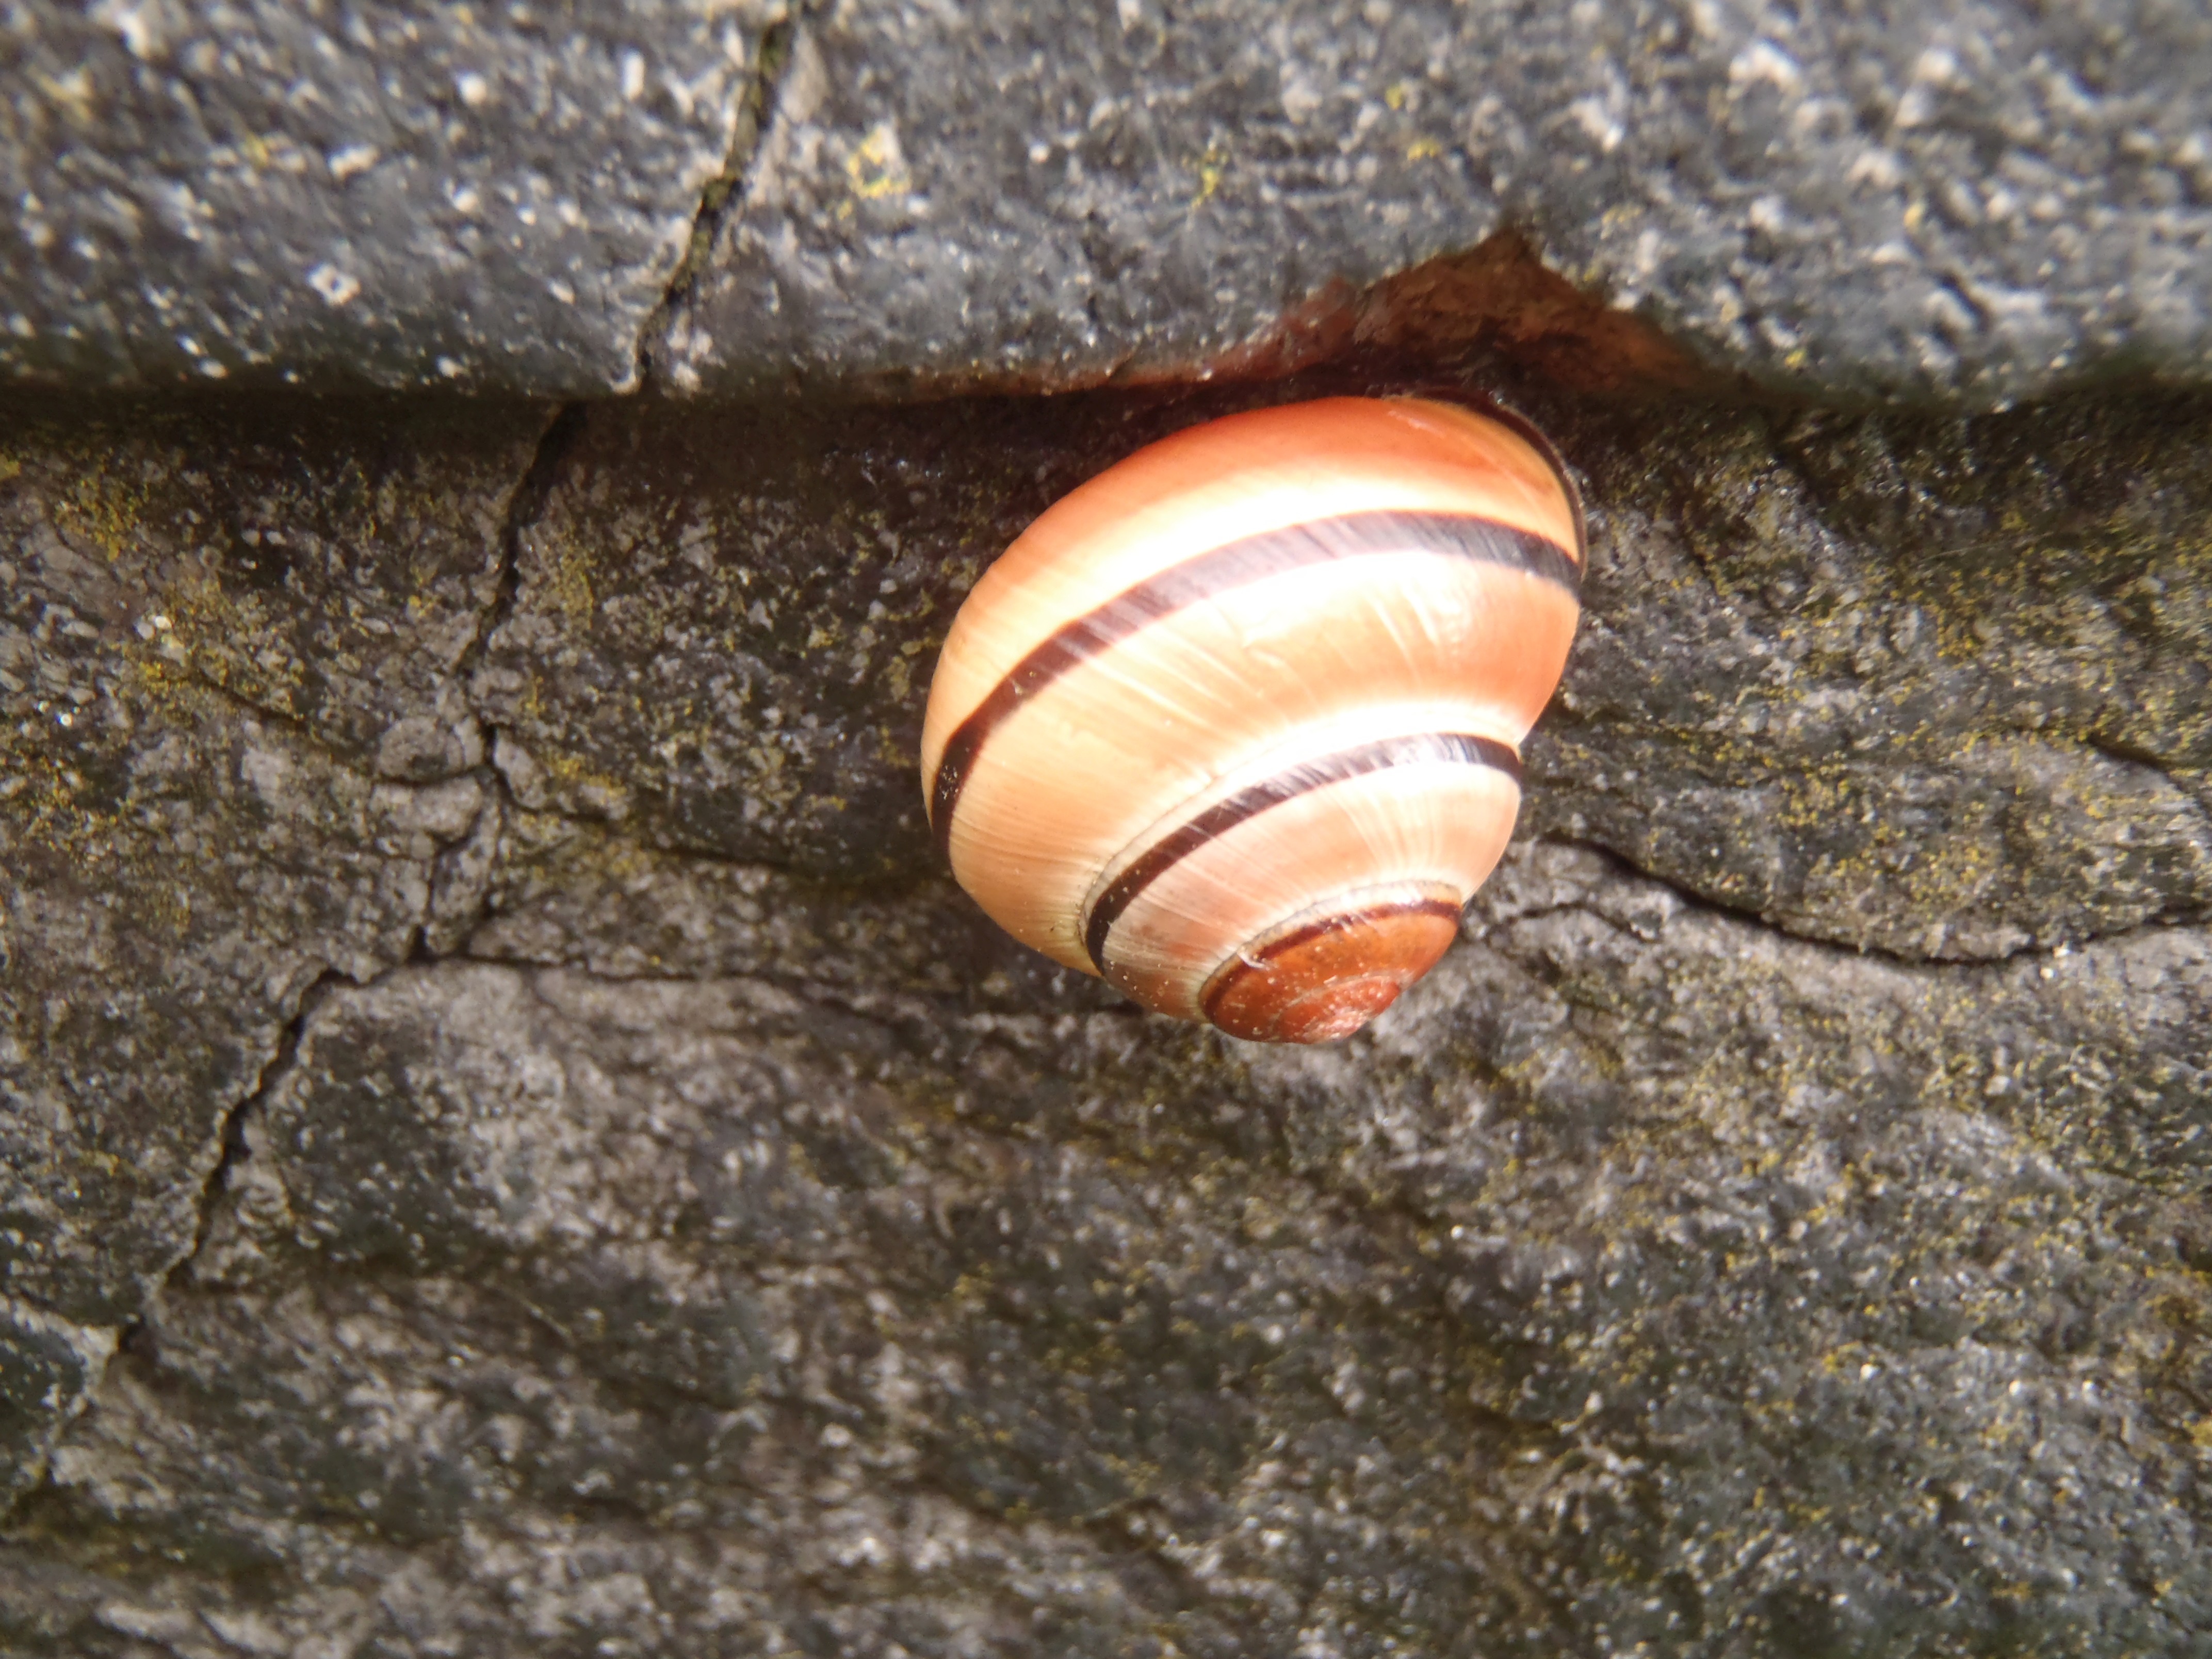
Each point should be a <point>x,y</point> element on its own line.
<point>654,1252</point>
<point>47,1366</point>
<point>505,1146</point>
<point>1936,688</point>
<point>219,630</point>
<point>1976,199</point>
<point>1647,1279</point>
<point>384,194</point>
<point>724,621</point>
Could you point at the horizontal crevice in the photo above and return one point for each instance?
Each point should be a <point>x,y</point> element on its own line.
<point>1691,897</point>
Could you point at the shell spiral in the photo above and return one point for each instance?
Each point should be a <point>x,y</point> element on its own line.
<point>1237,724</point>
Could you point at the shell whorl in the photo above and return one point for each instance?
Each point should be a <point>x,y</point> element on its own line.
<point>1237,723</point>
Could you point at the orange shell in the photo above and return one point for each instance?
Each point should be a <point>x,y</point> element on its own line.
<point>1237,723</point>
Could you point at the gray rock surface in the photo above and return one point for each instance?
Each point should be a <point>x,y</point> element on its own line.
<point>1940,688</point>
<point>507,1145</point>
<point>642,1239</point>
<point>214,627</point>
<point>1978,200</point>
<point>1973,200</point>
<point>1648,1279</point>
<point>382,194</point>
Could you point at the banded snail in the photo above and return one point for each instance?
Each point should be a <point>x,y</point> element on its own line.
<point>1237,723</point>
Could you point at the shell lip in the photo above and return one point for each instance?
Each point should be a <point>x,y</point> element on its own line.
<point>1320,975</point>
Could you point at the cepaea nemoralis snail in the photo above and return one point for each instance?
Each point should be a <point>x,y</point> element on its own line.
<point>1237,724</point>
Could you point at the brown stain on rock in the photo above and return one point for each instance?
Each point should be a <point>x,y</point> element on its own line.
<point>1498,295</point>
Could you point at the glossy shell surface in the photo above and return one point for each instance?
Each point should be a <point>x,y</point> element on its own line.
<point>1237,723</point>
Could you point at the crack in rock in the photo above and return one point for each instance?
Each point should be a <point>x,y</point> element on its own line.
<point>779,44</point>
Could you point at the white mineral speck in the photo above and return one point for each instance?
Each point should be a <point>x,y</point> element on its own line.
<point>336,287</point>
<point>354,158</point>
<point>1762,60</point>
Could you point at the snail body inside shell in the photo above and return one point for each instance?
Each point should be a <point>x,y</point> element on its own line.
<point>1237,723</point>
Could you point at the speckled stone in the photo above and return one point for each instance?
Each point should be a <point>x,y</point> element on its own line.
<point>1939,688</point>
<point>1645,1281</point>
<point>568,1214</point>
<point>493,197</point>
<point>210,624</point>
<point>1973,202</point>
<point>509,1147</point>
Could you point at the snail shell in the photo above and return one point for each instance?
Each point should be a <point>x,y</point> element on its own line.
<point>1237,724</point>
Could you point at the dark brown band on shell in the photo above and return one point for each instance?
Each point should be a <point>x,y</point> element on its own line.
<point>1491,407</point>
<point>1415,749</point>
<point>1237,564</point>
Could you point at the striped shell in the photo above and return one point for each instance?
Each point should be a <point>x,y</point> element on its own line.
<point>1237,724</point>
